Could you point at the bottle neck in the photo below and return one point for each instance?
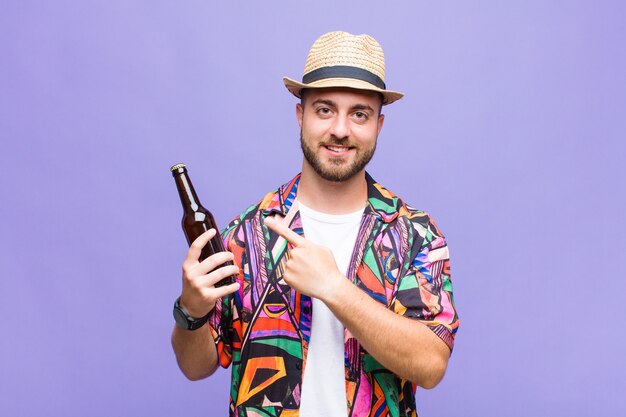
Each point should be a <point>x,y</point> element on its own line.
<point>188,196</point>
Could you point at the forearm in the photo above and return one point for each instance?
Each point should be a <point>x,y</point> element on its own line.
<point>404,346</point>
<point>195,351</point>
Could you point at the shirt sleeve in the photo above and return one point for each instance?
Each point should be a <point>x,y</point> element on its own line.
<point>425,292</point>
<point>221,318</point>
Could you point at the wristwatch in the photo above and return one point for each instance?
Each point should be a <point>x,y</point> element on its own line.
<point>184,320</point>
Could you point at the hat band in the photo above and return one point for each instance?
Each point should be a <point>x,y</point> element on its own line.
<point>343,71</point>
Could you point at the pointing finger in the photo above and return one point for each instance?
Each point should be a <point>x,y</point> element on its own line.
<point>291,236</point>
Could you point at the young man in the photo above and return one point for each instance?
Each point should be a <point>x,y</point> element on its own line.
<point>343,300</point>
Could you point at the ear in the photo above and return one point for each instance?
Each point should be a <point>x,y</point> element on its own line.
<point>299,113</point>
<point>381,120</point>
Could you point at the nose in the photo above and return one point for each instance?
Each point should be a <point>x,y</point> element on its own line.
<point>340,127</point>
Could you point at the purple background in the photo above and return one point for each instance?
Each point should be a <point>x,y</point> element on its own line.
<point>511,135</point>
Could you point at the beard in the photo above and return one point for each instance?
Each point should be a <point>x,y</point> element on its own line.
<point>337,169</point>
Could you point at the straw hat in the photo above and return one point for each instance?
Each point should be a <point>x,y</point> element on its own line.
<point>340,59</point>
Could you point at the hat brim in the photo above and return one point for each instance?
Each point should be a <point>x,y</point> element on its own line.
<point>296,87</point>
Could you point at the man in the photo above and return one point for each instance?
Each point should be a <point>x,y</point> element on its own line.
<point>343,300</point>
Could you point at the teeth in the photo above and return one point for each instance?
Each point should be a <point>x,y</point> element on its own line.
<point>336,149</point>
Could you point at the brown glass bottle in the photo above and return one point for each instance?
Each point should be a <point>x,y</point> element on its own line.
<point>196,219</point>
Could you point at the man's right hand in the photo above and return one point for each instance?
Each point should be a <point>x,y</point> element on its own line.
<point>199,278</point>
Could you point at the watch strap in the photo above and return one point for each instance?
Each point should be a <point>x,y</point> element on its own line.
<point>184,320</point>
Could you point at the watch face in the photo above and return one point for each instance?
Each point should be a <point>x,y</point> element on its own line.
<point>181,319</point>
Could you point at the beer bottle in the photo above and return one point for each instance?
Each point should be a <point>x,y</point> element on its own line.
<point>196,219</point>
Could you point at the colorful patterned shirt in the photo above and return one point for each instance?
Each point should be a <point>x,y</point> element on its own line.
<point>400,259</point>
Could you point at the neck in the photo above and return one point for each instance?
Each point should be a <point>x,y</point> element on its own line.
<point>332,197</point>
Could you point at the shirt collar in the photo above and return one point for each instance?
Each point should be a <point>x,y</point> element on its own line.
<point>381,202</point>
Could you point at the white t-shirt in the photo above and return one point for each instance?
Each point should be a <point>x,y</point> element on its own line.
<point>323,386</point>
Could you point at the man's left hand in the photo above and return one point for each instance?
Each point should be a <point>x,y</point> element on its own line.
<point>311,268</point>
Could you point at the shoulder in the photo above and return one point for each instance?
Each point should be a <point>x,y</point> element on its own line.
<point>389,206</point>
<point>422,222</point>
<point>395,211</point>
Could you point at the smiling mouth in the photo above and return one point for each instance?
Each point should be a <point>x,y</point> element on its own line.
<point>338,149</point>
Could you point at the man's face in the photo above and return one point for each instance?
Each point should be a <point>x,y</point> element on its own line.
<point>338,130</point>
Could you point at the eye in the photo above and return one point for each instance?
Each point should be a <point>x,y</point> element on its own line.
<point>361,116</point>
<point>324,111</point>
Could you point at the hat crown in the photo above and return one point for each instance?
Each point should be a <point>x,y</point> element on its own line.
<point>344,49</point>
<point>341,59</point>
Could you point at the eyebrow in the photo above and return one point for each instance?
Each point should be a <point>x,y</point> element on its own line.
<point>333,104</point>
<point>325,101</point>
<point>362,107</point>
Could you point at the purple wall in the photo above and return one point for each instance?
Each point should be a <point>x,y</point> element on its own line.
<point>511,135</point>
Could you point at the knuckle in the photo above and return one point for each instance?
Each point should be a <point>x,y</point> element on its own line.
<point>211,262</point>
<point>193,286</point>
<point>187,268</point>
<point>208,296</point>
<point>196,285</point>
<point>223,273</point>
